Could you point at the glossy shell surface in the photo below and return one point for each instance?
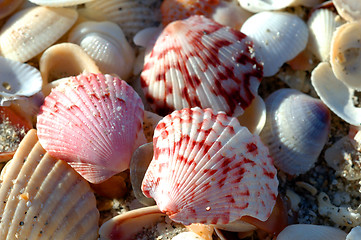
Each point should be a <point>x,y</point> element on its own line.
<point>309,231</point>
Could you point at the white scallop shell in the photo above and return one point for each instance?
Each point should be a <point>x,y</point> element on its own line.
<point>278,37</point>
<point>335,94</point>
<point>345,58</point>
<point>322,24</point>
<point>296,129</point>
<point>59,3</point>
<point>268,5</point>
<point>32,30</point>
<point>18,80</point>
<point>311,232</point>
<point>44,198</point>
<point>107,45</point>
<point>350,10</point>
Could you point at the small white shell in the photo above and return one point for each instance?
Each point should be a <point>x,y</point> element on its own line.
<point>32,30</point>
<point>18,80</point>
<point>335,94</point>
<point>322,24</point>
<point>59,3</point>
<point>345,54</point>
<point>354,234</point>
<point>278,37</point>
<point>267,5</point>
<point>107,45</point>
<point>296,129</point>
<point>350,10</point>
<point>311,232</point>
<point>187,236</point>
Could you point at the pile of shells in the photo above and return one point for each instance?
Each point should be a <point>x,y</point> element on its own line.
<point>180,119</point>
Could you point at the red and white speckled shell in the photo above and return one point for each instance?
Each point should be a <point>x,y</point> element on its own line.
<point>92,122</point>
<point>208,169</point>
<point>198,62</point>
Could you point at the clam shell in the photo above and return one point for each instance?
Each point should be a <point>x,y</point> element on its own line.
<point>296,129</point>
<point>348,9</point>
<point>345,58</point>
<point>94,122</point>
<point>335,94</point>
<point>30,31</point>
<point>107,45</point>
<point>59,3</point>
<point>278,37</point>
<point>7,7</point>
<point>44,198</point>
<point>18,80</point>
<point>198,62</point>
<point>208,169</point>
<point>268,5</point>
<point>311,232</point>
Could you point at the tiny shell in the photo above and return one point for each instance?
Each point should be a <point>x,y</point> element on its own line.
<point>59,3</point>
<point>208,169</point>
<point>9,6</point>
<point>296,129</point>
<point>30,31</point>
<point>350,10</point>
<point>44,197</point>
<point>94,122</point>
<point>278,37</point>
<point>311,232</point>
<point>198,62</point>
<point>107,45</point>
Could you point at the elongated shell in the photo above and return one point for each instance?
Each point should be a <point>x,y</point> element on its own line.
<point>59,3</point>
<point>32,30</point>
<point>44,198</point>
<point>198,62</point>
<point>208,169</point>
<point>296,129</point>
<point>92,122</point>
<point>309,231</point>
<point>278,37</point>
<point>107,45</point>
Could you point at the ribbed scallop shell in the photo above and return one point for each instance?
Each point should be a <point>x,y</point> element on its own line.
<point>107,45</point>
<point>59,3</point>
<point>309,231</point>
<point>296,129</point>
<point>208,169</point>
<point>278,37</point>
<point>92,122</point>
<point>9,6</point>
<point>30,31</point>
<point>198,62</point>
<point>44,198</point>
<point>132,16</point>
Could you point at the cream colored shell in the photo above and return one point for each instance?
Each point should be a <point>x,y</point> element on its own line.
<point>59,3</point>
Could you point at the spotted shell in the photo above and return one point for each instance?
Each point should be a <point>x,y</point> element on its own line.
<point>94,122</point>
<point>208,169</point>
<point>198,62</point>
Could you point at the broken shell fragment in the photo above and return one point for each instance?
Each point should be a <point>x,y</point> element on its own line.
<point>208,169</point>
<point>296,129</point>
<point>309,231</point>
<point>45,198</point>
<point>94,122</point>
<point>198,62</point>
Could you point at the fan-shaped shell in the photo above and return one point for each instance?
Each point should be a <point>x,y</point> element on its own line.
<point>9,6</point>
<point>278,37</point>
<point>198,62</point>
<point>59,3</point>
<point>44,198</point>
<point>309,231</point>
<point>92,122</point>
<point>107,45</point>
<point>32,30</point>
<point>208,169</point>
<point>296,129</point>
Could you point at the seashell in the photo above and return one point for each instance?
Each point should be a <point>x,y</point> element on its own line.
<point>8,7</point>
<point>59,3</point>
<point>278,37</point>
<point>202,230</point>
<point>18,80</point>
<point>350,10</point>
<point>296,129</point>
<point>203,160</point>
<point>354,234</point>
<point>187,236</point>
<point>345,59</point>
<point>149,124</point>
<point>30,31</point>
<point>311,232</point>
<point>254,117</point>
<point>107,45</point>
<point>335,94</point>
<point>132,16</point>
<point>45,198</point>
<point>65,60</point>
<point>198,62</point>
<point>94,122</point>
<point>322,24</point>
<point>262,5</point>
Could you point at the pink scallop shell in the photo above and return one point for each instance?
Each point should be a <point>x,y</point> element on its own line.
<point>92,122</point>
<point>198,62</point>
<point>208,169</point>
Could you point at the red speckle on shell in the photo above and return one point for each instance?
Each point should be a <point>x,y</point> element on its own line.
<point>198,62</point>
<point>203,173</point>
